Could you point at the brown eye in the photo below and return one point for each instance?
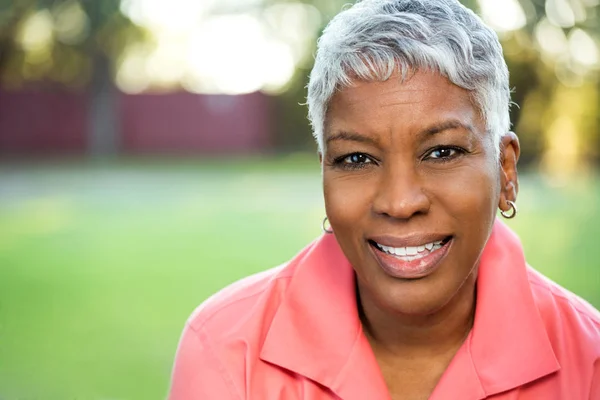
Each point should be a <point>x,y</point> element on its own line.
<point>442,153</point>
<point>357,158</point>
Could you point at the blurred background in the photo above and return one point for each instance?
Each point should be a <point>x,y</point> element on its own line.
<point>152,152</point>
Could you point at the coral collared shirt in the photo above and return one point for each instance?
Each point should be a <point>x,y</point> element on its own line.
<point>294,333</point>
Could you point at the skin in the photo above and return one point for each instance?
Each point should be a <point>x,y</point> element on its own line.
<point>404,159</point>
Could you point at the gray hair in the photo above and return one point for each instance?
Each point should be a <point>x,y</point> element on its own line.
<point>374,39</point>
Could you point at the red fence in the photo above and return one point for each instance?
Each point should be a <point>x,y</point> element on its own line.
<point>36,123</point>
<point>56,123</point>
<point>189,123</point>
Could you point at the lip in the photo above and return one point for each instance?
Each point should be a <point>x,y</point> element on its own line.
<point>414,269</point>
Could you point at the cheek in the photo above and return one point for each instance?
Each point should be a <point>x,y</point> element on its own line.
<point>348,199</point>
<point>469,196</point>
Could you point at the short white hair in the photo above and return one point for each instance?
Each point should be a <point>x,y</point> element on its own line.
<point>374,39</point>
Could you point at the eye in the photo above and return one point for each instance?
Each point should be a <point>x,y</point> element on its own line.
<point>353,161</point>
<point>444,153</point>
<point>356,158</point>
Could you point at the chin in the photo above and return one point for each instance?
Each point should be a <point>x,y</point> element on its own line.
<point>402,301</point>
<point>414,297</point>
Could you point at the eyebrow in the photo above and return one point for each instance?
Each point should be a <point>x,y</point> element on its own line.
<point>351,136</point>
<point>447,125</point>
<point>429,131</point>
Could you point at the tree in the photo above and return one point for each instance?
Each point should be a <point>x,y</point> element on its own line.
<point>69,44</point>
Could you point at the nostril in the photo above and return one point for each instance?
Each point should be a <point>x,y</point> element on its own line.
<point>401,201</point>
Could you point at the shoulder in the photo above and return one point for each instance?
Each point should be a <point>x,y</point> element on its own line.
<point>210,356</point>
<point>221,332</point>
<point>241,298</point>
<point>545,290</point>
<point>247,301</point>
<point>570,320</point>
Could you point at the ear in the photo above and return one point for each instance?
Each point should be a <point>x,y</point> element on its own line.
<point>509,180</point>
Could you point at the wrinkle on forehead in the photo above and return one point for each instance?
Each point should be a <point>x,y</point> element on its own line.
<point>387,95</point>
<point>424,99</point>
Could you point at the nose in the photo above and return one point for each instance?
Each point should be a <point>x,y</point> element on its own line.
<point>400,193</point>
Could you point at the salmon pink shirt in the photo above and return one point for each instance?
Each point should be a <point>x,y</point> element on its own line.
<point>294,333</point>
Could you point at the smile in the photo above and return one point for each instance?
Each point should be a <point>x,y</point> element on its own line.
<point>411,262</point>
<point>411,252</point>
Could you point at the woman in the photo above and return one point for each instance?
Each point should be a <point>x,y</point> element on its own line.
<point>414,291</point>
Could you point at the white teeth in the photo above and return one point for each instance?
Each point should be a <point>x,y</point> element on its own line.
<point>411,251</point>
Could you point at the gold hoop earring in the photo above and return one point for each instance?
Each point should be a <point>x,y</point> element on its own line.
<point>509,214</point>
<point>324,227</point>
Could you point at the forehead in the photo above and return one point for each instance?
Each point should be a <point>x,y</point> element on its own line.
<point>424,98</point>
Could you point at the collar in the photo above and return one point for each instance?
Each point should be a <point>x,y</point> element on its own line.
<point>316,331</point>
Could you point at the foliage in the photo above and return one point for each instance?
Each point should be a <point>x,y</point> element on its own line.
<point>58,42</point>
<point>65,43</point>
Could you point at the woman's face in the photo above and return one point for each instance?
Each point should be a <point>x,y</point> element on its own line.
<point>411,187</point>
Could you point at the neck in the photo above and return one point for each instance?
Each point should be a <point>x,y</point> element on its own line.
<point>412,335</point>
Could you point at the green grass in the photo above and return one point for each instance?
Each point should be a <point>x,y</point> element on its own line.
<point>101,265</point>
